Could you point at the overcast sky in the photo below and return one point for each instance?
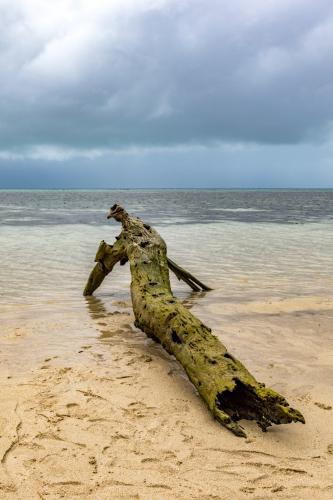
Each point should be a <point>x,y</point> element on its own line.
<point>166,93</point>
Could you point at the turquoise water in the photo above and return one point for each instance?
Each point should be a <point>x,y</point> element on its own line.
<point>252,247</point>
<point>245,244</point>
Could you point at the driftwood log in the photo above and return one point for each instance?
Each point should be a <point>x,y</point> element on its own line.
<point>229,390</point>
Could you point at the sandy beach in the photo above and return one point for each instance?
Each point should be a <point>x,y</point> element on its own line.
<point>115,417</point>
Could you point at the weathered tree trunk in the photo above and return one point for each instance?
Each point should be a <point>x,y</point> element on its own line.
<point>229,390</point>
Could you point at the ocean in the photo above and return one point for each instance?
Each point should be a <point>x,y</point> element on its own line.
<point>243,242</point>
<point>249,246</point>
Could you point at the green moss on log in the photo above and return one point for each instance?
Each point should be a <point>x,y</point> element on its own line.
<point>229,390</point>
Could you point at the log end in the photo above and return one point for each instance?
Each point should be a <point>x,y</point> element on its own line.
<point>253,402</point>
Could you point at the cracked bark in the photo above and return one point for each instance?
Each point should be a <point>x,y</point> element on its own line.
<point>229,390</point>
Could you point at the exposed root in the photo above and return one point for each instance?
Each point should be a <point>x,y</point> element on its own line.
<point>187,277</point>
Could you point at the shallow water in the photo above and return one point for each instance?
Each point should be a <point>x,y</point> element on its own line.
<point>249,246</point>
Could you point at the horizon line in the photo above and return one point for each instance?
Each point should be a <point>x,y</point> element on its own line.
<point>235,188</point>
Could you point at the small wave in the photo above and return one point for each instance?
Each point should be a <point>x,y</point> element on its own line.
<point>239,209</point>
<point>20,219</point>
<point>72,210</point>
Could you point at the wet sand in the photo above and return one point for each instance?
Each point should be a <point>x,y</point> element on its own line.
<point>90,408</point>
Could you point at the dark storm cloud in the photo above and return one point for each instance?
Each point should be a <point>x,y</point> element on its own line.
<point>78,78</point>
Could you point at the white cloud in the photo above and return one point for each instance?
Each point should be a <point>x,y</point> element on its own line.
<point>50,153</point>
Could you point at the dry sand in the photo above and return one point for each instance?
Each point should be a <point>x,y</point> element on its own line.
<point>115,417</point>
